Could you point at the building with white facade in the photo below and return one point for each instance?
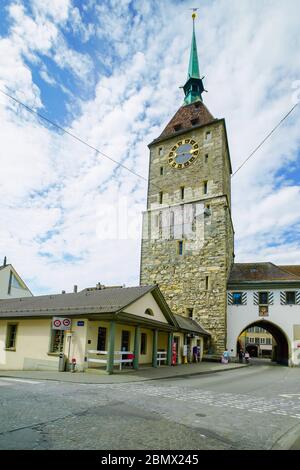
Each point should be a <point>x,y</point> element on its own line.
<point>267,296</point>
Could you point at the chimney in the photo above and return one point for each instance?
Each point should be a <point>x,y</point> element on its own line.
<point>4,261</point>
<point>75,289</point>
<point>63,291</point>
<point>98,285</point>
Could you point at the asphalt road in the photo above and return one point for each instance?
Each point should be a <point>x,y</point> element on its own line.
<point>252,408</point>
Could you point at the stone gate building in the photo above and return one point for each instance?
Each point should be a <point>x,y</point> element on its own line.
<point>187,246</point>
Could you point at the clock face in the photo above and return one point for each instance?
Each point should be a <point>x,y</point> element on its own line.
<point>183,154</point>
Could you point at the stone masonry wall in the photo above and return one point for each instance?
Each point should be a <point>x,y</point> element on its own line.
<point>197,278</point>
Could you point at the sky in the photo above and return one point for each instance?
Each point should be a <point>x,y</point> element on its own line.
<point>109,71</point>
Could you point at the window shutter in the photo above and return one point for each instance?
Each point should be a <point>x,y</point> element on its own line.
<point>271,298</point>
<point>282,298</point>
<point>298,297</point>
<point>244,298</point>
<point>255,298</point>
<point>230,298</point>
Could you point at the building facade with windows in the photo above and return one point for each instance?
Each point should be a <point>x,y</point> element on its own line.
<point>265,296</point>
<point>11,284</point>
<point>105,326</point>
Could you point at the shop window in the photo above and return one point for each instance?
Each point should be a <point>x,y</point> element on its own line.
<point>11,336</point>
<point>57,341</point>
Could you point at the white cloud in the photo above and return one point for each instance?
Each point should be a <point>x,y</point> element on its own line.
<point>56,188</point>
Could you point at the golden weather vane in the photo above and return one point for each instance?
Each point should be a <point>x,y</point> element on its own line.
<point>194,14</point>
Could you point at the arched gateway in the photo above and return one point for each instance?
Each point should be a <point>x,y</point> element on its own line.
<point>281,348</point>
<point>267,296</point>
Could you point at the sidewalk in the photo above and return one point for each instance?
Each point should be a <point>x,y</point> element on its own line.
<point>125,376</point>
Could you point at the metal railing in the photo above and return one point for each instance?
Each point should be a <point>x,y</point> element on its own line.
<point>119,360</point>
<point>161,356</point>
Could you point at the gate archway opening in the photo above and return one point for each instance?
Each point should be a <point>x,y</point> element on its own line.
<point>280,348</point>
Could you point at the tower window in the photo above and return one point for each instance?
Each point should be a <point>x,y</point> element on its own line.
<point>161,170</point>
<point>205,187</point>
<point>206,282</point>
<point>189,312</point>
<point>182,192</point>
<point>160,151</point>
<point>177,127</point>
<point>161,197</point>
<point>180,247</point>
<point>195,121</point>
<point>206,158</point>
<point>208,135</point>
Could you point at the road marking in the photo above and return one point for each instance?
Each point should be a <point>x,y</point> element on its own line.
<point>279,406</point>
<point>12,379</point>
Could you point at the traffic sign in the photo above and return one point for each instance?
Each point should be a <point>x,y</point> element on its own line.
<point>61,323</point>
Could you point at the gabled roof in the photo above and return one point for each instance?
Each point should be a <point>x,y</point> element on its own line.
<point>18,277</point>
<point>185,115</point>
<point>97,301</point>
<point>257,272</point>
<point>293,269</point>
<point>188,324</point>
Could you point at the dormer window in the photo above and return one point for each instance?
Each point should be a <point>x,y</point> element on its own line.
<point>197,104</point>
<point>195,121</point>
<point>178,127</point>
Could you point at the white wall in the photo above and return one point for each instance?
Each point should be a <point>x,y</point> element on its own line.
<point>283,316</point>
<point>4,284</point>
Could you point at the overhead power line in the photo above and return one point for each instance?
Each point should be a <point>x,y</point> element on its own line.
<point>33,111</point>
<point>57,126</point>
<point>266,138</point>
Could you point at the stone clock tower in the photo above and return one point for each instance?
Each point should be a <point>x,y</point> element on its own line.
<point>187,245</point>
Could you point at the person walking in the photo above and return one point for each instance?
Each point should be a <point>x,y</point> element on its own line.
<point>247,357</point>
<point>225,357</point>
<point>241,356</point>
<point>195,354</point>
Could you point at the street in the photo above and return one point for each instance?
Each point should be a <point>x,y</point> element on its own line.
<point>252,408</point>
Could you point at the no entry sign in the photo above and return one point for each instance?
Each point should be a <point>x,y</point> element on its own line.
<point>61,323</point>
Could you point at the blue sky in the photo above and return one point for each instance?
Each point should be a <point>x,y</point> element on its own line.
<point>110,72</point>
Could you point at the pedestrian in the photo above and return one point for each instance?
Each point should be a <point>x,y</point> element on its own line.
<point>195,354</point>
<point>241,356</point>
<point>225,357</point>
<point>247,357</point>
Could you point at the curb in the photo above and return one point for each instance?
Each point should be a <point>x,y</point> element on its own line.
<point>289,440</point>
<point>142,379</point>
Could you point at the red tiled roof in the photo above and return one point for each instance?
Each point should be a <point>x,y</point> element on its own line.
<point>187,117</point>
<point>261,272</point>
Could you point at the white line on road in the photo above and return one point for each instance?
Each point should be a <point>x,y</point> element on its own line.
<point>6,379</point>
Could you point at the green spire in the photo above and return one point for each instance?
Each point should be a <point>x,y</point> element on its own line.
<point>193,88</point>
<point>194,64</point>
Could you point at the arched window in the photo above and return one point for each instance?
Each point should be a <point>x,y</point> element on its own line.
<point>148,311</point>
